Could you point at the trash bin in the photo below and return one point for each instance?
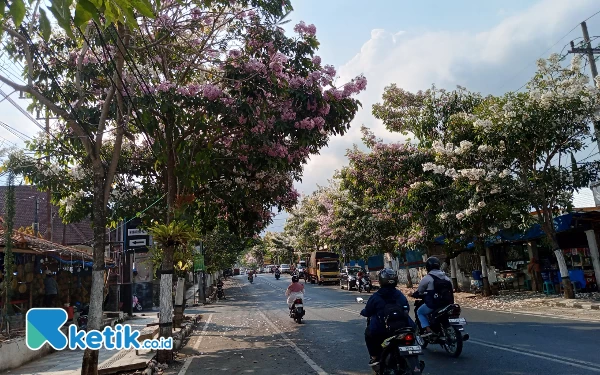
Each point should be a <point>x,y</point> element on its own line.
<point>477,275</point>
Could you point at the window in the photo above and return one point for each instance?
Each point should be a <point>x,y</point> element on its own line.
<point>328,267</point>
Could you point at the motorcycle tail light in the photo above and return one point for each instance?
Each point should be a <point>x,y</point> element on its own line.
<point>298,301</point>
<point>408,339</point>
<point>454,312</point>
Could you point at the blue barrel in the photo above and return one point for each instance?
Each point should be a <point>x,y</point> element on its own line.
<point>477,275</point>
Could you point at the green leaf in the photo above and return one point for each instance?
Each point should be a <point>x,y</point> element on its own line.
<point>2,8</point>
<point>144,7</point>
<point>87,7</point>
<point>45,25</point>
<point>61,10</point>
<point>82,16</point>
<point>17,11</point>
<point>97,3</point>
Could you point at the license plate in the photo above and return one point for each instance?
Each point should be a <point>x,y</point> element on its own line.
<point>299,305</point>
<point>457,321</point>
<point>415,349</point>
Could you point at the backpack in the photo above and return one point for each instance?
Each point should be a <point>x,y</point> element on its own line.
<point>394,316</point>
<point>443,294</point>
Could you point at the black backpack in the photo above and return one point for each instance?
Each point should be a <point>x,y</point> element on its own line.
<point>443,294</point>
<point>395,316</point>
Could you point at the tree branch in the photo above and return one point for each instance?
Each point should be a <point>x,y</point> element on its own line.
<point>84,50</point>
<point>25,42</point>
<point>103,117</point>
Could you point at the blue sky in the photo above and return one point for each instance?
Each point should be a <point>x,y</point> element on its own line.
<point>486,46</point>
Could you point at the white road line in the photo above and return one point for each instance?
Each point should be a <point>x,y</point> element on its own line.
<point>539,315</point>
<point>305,357</point>
<point>188,361</point>
<point>541,355</point>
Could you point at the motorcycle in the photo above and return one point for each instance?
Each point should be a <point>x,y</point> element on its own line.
<point>220,292</point>
<point>250,278</point>
<point>277,275</point>
<point>136,303</point>
<point>400,354</point>
<point>297,310</point>
<point>364,284</point>
<point>82,321</point>
<point>447,326</point>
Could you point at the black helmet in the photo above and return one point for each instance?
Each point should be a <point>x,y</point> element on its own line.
<point>295,279</point>
<point>388,277</point>
<point>432,263</point>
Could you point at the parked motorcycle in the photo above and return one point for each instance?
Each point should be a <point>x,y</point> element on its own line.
<point>82,321</point>
<point>277,274</point>
<point>220,292</point>
<point>136,303</point>
<point>400,354</point>
<point>364,284</point>
<point>297,310</point>
<point>447,326</point>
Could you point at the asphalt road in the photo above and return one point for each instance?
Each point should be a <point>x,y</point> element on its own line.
<point>251,332</point>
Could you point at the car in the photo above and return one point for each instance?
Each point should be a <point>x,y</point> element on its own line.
<point>348,276</point>
<point>284,268</point>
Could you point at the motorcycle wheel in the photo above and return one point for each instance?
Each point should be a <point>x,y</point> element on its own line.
<point>454,342</point>
<point>391,364</point>
<point>298,320</point>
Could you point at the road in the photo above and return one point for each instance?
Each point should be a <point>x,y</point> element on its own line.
<point>251,332</point>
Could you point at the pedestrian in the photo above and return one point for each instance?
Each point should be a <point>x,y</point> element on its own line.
<point>50,289</point>
<point>535,272</point>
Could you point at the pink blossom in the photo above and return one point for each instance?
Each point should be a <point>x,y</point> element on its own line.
<point>316,60</point>
<point>303,29</point>
<point>196,13</point>
<point>324,111</point>
<point>235,53</point>
<point>254,66</point>
<point>242,120</point>
<point>297,82</point>
<point>164,86</point>
<point>361,83</point>
<point>319,122</point>
<point>211,92</point>
<point>329,70</point>
<point>307,123</point>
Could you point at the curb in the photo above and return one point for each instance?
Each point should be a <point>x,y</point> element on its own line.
<point>178,342</point>
<point>574,305</point>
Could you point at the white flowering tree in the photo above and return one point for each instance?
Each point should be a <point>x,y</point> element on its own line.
<point>551,119</point>
<point>484,197</point>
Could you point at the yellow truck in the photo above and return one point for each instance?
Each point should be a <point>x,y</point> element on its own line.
<point>323,267</point>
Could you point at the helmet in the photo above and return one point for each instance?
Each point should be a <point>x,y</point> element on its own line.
<point>388,277</point>
<point>432,263</point>
<point>295,279</point>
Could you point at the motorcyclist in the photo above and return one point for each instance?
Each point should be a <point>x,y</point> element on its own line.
<point>425,291</point>
<point>294,290</point>
<point>376,332</point>
<point>359,277</point>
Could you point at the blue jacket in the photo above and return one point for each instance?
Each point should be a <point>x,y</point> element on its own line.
<point>376,305</point>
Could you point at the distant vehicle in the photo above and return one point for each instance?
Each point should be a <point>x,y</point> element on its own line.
<point>323,267</point>
<point>348,276</point>
<point>236,271</point>
<point>285,268</point>
<point>267,269</point>
<point>228,272</point>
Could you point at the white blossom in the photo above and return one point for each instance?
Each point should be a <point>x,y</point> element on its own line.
<point>481,204</point>
<point>460,216</point>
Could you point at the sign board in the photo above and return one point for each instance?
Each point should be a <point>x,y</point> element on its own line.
<point>199,262</point>
<point>138,242</point>
<point>137,239</point>
<point>136,232</point>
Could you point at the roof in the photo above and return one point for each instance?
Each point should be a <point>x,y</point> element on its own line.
<point>25,196</point>
<point>37,245</point>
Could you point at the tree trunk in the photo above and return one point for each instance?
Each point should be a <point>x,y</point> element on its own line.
<point>454,273</point>
<point>409,283</point>
<point>484,275</point>
<point>564,274</point>
<point>166,303</point>
<point>89,365</point>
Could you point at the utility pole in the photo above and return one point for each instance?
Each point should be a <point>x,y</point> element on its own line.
<point>48,193</point>
<point>36,220</point>
<point>590,52</point>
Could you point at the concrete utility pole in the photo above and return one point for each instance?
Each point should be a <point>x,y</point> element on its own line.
<point>590,52</point>
<point>36,220</point>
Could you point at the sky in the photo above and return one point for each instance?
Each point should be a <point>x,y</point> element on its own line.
<point>486,46</point>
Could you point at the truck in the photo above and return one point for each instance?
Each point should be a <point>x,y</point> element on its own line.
<point>323,267</point>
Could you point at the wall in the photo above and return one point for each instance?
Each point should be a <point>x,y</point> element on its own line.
<point>14,353</point>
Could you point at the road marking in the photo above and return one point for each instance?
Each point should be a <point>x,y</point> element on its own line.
<point>301,353</point>
<point>532,353</point>
<point>539,315</point>
<point>188,361</point>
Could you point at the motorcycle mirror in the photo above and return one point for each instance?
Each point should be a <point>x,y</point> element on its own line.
<point>360,300</point>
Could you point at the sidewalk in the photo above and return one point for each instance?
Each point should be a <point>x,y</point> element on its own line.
<point>68,362</point>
